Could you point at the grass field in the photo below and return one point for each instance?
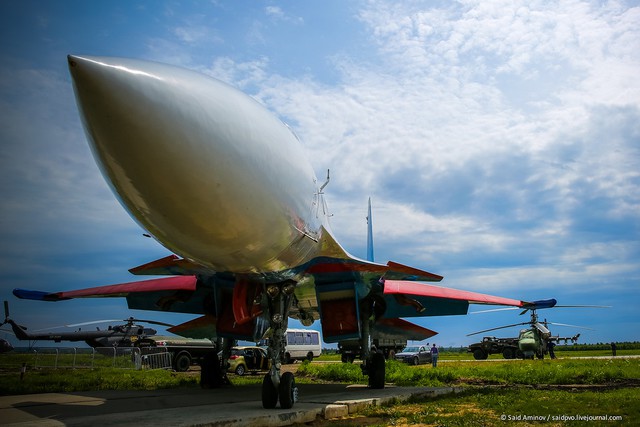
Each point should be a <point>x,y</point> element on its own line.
<point>563,392</point>
<point>526,372</point>
<point>506,406</point>
<point>526,392</point>
<point>449,355</point>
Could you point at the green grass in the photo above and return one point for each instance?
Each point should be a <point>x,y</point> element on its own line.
<point>463,355</point>
<point>64,380</point>
<point>532,372</point>
<point>524,372</point>
<point>499,407</point>
<point>510,392</point>
<point>449,355</point>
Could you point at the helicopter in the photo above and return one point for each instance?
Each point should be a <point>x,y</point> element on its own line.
<point>114,336</point>
<point>537,340</point>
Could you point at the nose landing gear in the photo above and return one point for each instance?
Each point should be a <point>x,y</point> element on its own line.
<point>274,385</point>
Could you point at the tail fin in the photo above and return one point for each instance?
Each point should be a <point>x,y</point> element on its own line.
<point>369,235</point>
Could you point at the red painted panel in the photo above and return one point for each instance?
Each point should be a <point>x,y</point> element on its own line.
<point>179,283</point>
<point>423,289</point>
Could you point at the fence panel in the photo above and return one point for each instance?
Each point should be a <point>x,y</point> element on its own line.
<point>155,358</point>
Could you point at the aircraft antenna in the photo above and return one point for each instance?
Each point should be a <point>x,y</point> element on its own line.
<point>325,183</point>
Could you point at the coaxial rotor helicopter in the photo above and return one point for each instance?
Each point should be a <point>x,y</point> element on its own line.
<point>534,341</point>
<point>125,335</point>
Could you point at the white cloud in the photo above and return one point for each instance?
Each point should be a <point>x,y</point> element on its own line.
<point>276,13</point>
<point>431,113</point>
<point>479,130</point>
<point>195,33</point>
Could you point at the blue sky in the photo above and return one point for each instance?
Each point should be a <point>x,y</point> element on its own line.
<point>499,142</point>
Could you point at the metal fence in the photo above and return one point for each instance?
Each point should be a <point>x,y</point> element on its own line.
<point>84,358</point>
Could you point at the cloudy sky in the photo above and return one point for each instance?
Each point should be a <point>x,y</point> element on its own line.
<point>499,142</point>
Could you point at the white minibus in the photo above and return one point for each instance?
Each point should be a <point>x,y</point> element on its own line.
<point>302,344</point>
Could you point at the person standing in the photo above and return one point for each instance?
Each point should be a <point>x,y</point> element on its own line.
<point>550,346</point>
<point>434,356</point>
<point>613,348</point>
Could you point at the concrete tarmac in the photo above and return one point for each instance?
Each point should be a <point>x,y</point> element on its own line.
<point>231,406</point>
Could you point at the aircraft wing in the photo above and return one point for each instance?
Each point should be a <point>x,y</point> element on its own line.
<point>339,291</point>
<point>394,329</point>
<point>169,284</point>
<point>412,299</point>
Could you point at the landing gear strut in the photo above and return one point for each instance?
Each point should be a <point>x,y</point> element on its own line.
<point>213,371</point>
<point>274,385</point>
<point>373,363</point>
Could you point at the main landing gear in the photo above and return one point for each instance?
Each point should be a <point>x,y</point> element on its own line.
<point>274,385</point>
<point>213,371</point>
<point>373,363</point>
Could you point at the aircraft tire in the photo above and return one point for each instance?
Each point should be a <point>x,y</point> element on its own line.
<point>377,371</point>
<point>182,362</point>
<point>269,393</point>
<point>287,391</point>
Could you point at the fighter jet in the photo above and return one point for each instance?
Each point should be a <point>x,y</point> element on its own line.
<point>224,185</point>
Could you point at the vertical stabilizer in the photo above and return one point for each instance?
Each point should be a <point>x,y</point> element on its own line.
<point>369,234</point>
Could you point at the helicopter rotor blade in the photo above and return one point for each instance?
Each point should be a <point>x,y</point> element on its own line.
<point>536,308</point>
<point>6,317</point>
<point>570,326</point>
<point>73,325</point>
<point>584,306</point>
<point>153,322</point>
<point>495,309</point>
<point>499,327</point>
<point>129,321</point>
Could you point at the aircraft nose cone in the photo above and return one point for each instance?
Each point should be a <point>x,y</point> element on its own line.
<point>128,131</point>
<point>191,158</point>
<point>73,60</point>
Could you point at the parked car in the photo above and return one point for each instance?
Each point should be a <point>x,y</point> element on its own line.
<point>415,355</point>
<point>248,359</point>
